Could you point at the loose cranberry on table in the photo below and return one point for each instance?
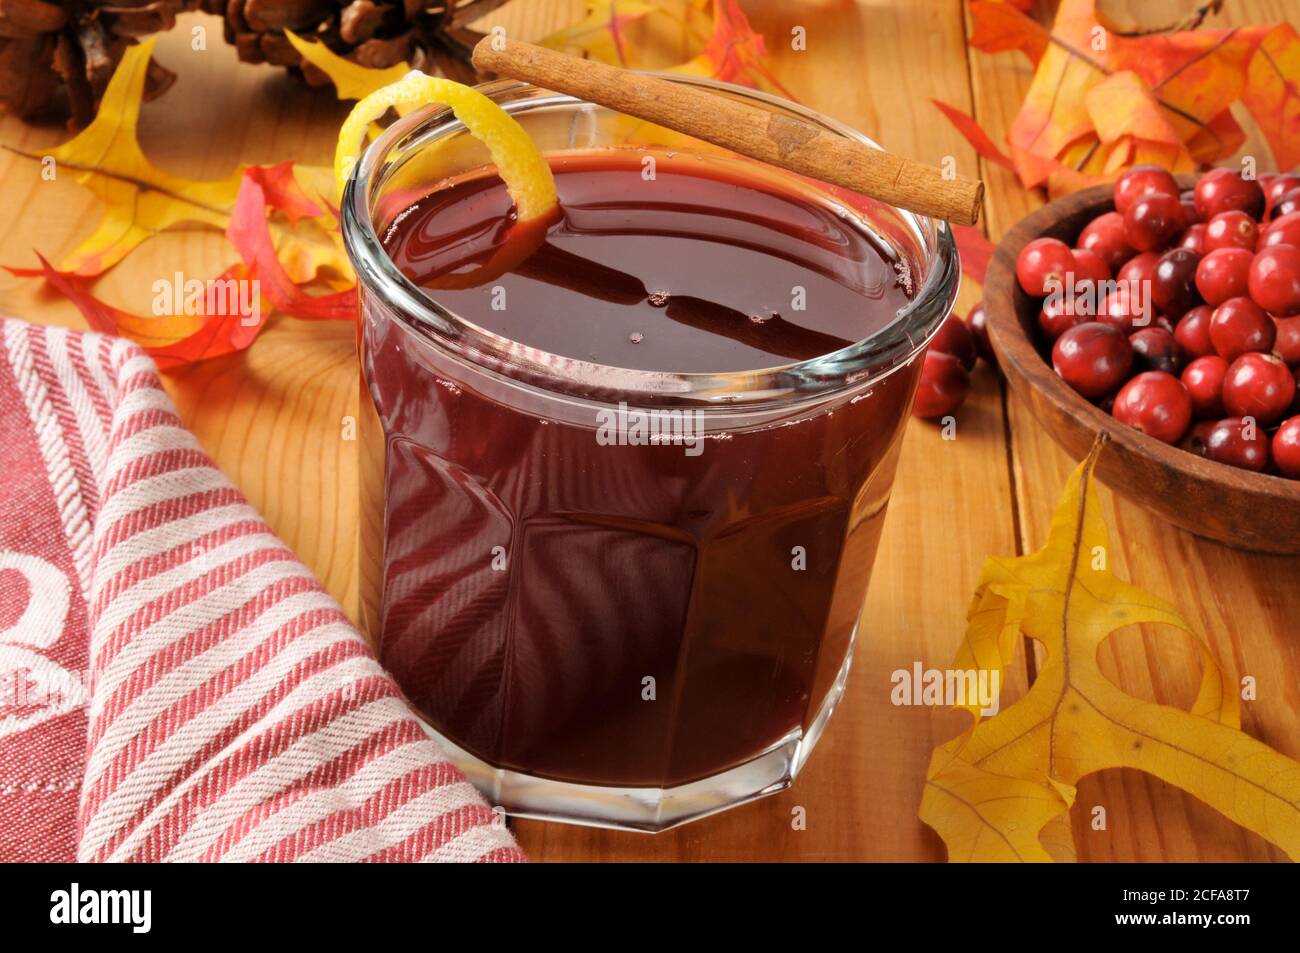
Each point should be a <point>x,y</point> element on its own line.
<point>1222,189</point>
<point>1153,222</point>
<point>1237,442</point>
<point>1223,274</point>
<point>1043,264</point>
<point>1193,238</point>
<point>1259,386</point>
<point>1203,379</point>
<point>1092,358</point>
<point>1286,447</point>
<point>1105,236</point>
<point>944,386</point>
<point>954,337</point>
<point>1154,349</point>
<point>978,323</point>
<point>1287,343</point>
<point>1156,404</point>
<point>1139,182</point>
<point>1274,280</point>
<point>1173,286</point>
<point>1281,231</point>
<point>1193,332</point>
<point>1231,229</point>
<point>1238,326</point>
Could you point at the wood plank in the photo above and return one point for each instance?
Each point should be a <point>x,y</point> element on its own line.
<point>874,67</point>
<point>1245,603</point>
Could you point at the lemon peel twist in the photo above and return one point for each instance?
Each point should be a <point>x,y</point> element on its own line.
<point>519,162</point>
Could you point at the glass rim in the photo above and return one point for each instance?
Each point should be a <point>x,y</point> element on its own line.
<point>854,366</point>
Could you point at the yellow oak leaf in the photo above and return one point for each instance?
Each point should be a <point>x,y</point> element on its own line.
<point>351,80</point>
<point>139,199</point>
<point>992,791</point>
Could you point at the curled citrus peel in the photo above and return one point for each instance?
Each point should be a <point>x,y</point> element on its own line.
<point>519,162</point>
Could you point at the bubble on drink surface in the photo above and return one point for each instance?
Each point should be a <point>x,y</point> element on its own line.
<point>636,337</point>
<point>904,275</point>
<point>658,298</point>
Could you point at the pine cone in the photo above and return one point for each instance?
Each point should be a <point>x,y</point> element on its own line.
<point>57,58</point>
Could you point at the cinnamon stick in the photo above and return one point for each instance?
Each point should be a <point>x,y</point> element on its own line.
<point>776,139</point>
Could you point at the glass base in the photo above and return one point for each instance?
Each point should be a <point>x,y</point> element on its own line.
<point>650,809</point>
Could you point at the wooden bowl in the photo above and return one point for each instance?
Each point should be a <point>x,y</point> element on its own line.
<point>1249,510</point>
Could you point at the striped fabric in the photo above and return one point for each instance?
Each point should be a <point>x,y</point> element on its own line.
<point>174,684</point>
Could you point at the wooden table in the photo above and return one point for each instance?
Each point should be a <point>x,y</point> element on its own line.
<point>273,419</point>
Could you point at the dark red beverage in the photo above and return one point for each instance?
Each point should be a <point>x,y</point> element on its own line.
<point>566,600</point>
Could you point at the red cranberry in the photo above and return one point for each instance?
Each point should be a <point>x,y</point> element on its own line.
<point>1154,349</point>
<point>1275,280</point>
<point>955,338</point>
<point>1286,448</point>
<point>1279,186</point>
<point>1203,379</point>
<point>1222,189</point>
<point>1173,289</point>
<point>1223,274</point>
<point>1151,223</point>
<point>1141,181</point>
<point>1259,386</point>
<point>1239,326</point>
<point>1042,264</point>
<point>1281,231</point>
<point>1193,332</point>
<point>944,386</point>
<point>1194,441</point>
<point>1105,236</point>
<point>1287,204</point>
<point>1092,358</point>
<point>1193,238</point>
<point>1187,199</point>
<point>1089,266</point>
<point>1238,442</point>
<point>1287,343</point>
<point>1127,308</point>
<point>1141,267</point>
<point>1231,229</point>
<point>1155,403</point>
<point>978,323</point>
<point>1059,314</point>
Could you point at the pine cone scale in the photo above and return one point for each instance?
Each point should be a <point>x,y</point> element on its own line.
<point>58,55</point>
<point>24,19</point>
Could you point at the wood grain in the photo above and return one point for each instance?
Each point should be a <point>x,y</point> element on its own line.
<point>272,419</point>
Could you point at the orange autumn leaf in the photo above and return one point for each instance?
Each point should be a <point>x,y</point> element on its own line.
<point>994,792</point>
<point>977,137</point>
<point>1100,102</point>
<point>998,26</point>
<point>1272,93</point>
<point>249,233</point>
<point>219,317</point>
<point>711,38</point>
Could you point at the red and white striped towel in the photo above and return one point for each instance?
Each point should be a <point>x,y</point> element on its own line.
<point>174,683</point>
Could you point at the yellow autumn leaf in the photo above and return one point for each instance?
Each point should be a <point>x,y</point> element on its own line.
<point>139,199</point>
<point>991,791</point>
<point>351,80</point>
